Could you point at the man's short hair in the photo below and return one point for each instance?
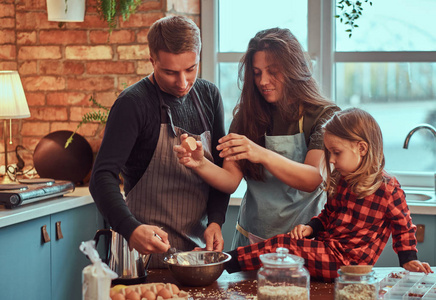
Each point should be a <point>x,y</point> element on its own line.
<point>174,34</point>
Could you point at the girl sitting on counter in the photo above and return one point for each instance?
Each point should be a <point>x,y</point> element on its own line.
<point>365,205</point>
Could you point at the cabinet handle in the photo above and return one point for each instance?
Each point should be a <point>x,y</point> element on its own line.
<point>420,233</point>
<point>58,230</point>
<point>45,236</point>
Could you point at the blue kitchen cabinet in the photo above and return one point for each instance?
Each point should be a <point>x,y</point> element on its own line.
<point>34,269</point>
<point>25,271</point>
<point>426,252</point>
<point>77,225</point>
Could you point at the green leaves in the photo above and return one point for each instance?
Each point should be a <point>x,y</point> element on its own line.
<point>350,11</point>
<point>109,10</point>
<point>94,116</point>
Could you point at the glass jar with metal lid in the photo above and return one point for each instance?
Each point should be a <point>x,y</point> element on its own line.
<point>356,282</point>
<point>282,276</point>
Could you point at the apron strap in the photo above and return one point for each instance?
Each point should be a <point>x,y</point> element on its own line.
<point>241,230</point>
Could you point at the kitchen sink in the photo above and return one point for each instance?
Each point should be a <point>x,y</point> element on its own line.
<point>419,196</point>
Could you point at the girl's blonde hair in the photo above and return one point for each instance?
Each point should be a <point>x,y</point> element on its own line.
<point>356,125</point>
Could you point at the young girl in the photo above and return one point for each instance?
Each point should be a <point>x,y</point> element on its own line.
<point>365,206</point>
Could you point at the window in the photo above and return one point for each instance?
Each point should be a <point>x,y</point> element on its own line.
<point>387,67</point>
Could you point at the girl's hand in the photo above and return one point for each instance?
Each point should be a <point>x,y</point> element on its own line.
<point>194,159</point>
<point>417,266</point>
<point>236,147</point>
<point>300,231</point>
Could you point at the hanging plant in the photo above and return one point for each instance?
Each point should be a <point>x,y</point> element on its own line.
<point>350,11</point>
<point>110,10</point>
<point>94,116</point>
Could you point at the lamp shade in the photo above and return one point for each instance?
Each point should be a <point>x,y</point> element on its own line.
<point>13,104</point>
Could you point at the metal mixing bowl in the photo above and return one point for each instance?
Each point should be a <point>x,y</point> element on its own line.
<point>197,268</point>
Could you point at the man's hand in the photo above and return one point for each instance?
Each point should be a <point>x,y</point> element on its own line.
<point>148,239</point>
<point>214,238</point>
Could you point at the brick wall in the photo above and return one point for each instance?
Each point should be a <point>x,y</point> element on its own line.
<point>61,67</point>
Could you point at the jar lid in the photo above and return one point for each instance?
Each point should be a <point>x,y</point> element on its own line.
<point>368,278</point>
<point>281,259</point>
<point>356,269</point>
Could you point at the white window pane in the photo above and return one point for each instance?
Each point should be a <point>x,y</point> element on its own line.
<point>240,20</point>
<point>399,96</point>
<point>228,82</point>
<point>391,25</point>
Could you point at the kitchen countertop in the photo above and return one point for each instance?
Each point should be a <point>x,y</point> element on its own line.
<point>243,285</point>
<point>79,197</point>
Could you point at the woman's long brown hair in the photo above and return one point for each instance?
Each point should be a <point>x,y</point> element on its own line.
<point>253,115</point>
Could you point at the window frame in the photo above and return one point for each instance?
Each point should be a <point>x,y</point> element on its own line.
<point>321,49</point>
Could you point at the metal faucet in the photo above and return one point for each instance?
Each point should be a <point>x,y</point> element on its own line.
<point>421,126</point>
<point>409,135</point>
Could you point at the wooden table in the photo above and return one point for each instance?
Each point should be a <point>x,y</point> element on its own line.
<point>241,285</point>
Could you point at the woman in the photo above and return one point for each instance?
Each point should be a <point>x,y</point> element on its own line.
<point>276,141</point>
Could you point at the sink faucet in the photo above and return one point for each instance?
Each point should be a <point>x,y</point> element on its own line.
<point>409,135</point>
<point>411,132</point>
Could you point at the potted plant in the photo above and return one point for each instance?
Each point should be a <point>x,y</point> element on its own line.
<point>66,10</point>
<point>74,10</point>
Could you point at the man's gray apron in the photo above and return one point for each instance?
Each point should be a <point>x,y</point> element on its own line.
<point>273,207</point>
<point>170,195</point>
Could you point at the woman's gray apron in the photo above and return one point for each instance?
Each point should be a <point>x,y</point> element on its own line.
<point>170,195</point>
<point>273,207</point>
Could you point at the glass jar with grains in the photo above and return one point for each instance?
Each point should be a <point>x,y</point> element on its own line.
<point>356,283</point>
<point>282,277</point>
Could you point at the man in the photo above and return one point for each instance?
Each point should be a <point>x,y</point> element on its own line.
<point>166,204</point>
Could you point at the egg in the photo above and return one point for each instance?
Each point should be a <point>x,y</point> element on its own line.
<point>143,289</point>
<point>127,291</point>
<point>133,296</point>
<point>159,287</point>
<point>112,292</point>
<point>149,295</point>
<point>175,288</point>
<point>190,144</point>
<point>118,288</point>
<point>164,293</point>
<point>118,297</point>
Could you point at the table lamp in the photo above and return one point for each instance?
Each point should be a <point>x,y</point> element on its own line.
<point>13,104</point>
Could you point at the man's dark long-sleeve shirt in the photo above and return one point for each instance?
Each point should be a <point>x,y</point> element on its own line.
<point>131,136</point>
